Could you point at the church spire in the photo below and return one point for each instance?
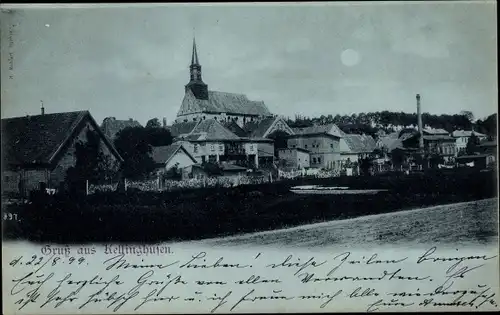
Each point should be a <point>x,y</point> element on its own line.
<point>194,57</point>
<point>196,84</point>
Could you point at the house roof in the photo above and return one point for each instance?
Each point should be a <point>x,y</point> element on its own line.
<point>111,126</point>
<point>359,143</point>
<point>222,102</point>
<point>39,139</point>
<point>471,157</point>
<point>257,129</point>
<point>435,131</point>
<point>438,137</point>
<point>330,129</point>
<point>182,128</point>
<point>235,128</point>
<point>163,154</point>
<point>466,133</point>
<point>211,130</point>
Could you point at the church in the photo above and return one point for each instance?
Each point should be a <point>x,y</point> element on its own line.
<point>220,126</point>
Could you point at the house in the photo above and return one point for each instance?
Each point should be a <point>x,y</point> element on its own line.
<point>354,147</point>
<point>111,126</point>
<point>175,155</point>
<point>209,141</point>
<point>323,143</point>
<point>200,104</point>
<point>462,137</point>
<point>437,142</point>
<point>228,170</point>
<point>296,158</point>
<point>38,150</point>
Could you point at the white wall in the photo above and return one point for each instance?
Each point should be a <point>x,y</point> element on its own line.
<point>181,159</point>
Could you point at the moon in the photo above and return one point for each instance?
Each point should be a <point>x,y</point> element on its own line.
<point>350,57</point>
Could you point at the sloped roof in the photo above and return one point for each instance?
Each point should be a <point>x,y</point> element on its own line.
<point>222,102</point>
<point>360,143</point>
<point>235,128</point>
<point>435,131</point>
<point>228,167</point>
<point>257,129</point>
<point>163,154</point>
<point>438,137</point>
<point>182,128</point>
<point>331,129</point>
<point>111,126</point>
<point>211,129</point>
<point>466,133</point>
<point>38,139</point>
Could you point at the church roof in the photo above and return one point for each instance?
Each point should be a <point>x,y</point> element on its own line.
<point>222,102</point>
<point>40,139</point>
<point>111,126</point>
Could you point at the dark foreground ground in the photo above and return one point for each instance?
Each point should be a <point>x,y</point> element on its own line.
<point>203,213</point>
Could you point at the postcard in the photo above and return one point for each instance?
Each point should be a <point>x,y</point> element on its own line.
<point>249,158</point>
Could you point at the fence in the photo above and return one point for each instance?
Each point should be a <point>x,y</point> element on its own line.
<point>319,173</point>
<point>168,185</point>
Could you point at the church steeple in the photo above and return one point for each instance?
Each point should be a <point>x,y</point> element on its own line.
<point>196,84</point>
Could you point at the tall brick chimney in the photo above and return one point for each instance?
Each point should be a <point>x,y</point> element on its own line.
<point>42,109</point>
<point>420,128</point>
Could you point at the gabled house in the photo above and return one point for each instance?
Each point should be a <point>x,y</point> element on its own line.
<point>462,138</point>
<point>175,155</point>
<point>323,143</point>
<point>38,150</point>
<point>354,147</point>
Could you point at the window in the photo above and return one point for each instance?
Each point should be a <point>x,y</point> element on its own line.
<point>194,119</point>
<point>319,160</point>
<point>251,147</point>
<point>212,147</point>
<point>195,149</point>
<point>293,146</point>
<point>221,147</point>
<point>306,146</point>
<point>331,145</point>
<point>204,117</point>
<point>314,160</point>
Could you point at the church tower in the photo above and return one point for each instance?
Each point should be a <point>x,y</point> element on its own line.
<point>196,84</point>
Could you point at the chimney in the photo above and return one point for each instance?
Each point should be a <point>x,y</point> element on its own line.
<point>420,129</point>
<point>43,109</point>
<point>164,122</point>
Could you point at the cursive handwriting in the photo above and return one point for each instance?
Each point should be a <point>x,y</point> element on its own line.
<point>228,283</point>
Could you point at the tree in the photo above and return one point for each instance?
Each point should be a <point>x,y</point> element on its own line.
<point>212,169</point>
<point>153,123</point>
<point>280,140</point>
<point>468,114</point>
<point>365,165</point>
<point>133,145</point>
<point>157,137</point>
<point>398,157</point>
<point>472,144</point>
<point>91,163</point>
